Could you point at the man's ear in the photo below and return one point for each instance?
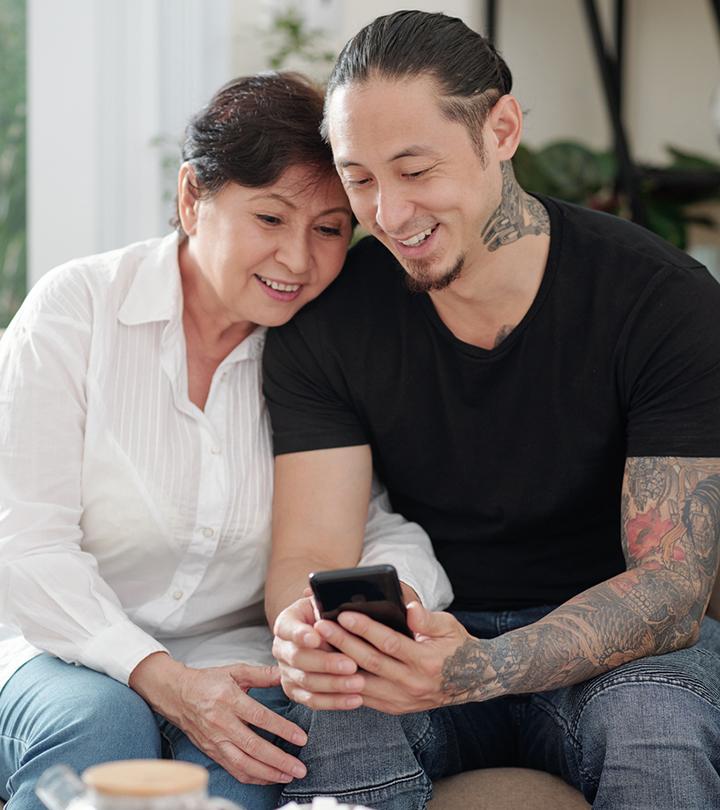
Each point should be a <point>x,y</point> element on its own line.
<point>505,123</point>
<point>188,198</point>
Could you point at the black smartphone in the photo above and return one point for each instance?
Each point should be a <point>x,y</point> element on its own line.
<point>372,589</point>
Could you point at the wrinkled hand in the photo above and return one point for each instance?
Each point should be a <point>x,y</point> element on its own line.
<point>443,665</point>
<point>311,672</point>
<point>213,708</point>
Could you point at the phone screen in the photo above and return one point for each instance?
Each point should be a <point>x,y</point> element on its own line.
<point>372,590</point>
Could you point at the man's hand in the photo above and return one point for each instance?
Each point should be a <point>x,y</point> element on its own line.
<point>311,673</point>
<point>443,665</point>
<point>213,708</point>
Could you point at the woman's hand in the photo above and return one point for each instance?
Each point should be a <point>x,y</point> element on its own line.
<point>213,708</point>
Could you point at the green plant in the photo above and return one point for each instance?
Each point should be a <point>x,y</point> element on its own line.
<point>13,158</point>
<point>290,37</point>
<point>578,174</point>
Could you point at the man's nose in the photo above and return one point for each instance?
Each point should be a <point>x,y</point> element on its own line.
<point>393,211</point>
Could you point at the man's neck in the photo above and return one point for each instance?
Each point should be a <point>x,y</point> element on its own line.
<point>497,288</point>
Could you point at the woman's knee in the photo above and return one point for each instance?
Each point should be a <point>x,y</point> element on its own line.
<point>115,719</point>
<point>78,707</point>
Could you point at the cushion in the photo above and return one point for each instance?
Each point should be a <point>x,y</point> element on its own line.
<point>505,789</point>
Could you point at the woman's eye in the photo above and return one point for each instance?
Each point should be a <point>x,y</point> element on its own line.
<point>415,174</point>
<point>352,182</point>
<point>329,230</point>
<point>269,219</point>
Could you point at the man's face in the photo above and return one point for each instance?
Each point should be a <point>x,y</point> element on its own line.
<point>414,179</point>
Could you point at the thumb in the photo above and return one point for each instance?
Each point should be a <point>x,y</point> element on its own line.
<point>246,675</point>
<point>425,624</point>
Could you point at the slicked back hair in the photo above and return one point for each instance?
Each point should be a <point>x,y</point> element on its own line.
<point>470,74</point>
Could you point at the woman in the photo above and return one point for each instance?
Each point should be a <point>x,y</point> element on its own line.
<point>136,467</point>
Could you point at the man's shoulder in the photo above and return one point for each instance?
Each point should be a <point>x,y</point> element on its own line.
<point>369,266</point>
<point>371,280</point>
<point>602,236</point>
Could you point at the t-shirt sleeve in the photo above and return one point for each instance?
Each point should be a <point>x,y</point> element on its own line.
<point>670,366</point>
<point>307,398</point>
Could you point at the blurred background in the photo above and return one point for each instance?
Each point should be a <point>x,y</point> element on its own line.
<point>94,95</point>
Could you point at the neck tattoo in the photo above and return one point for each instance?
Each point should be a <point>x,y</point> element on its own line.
<point>508,222</point>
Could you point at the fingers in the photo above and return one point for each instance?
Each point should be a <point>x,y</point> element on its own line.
<point>295,624</point>
<point>245,761</point>
<point>309,660</point>
<point>367,656</point>
<point>247,675</point>
<point>323,702</point>
<point>379,635</point>
<point>325,692</point>
<point>256,714</point>
<point>327,684</point>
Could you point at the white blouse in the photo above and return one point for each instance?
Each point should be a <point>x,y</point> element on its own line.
<point>131,521</point>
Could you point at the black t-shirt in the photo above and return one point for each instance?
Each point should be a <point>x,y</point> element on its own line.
<point>512,458</point>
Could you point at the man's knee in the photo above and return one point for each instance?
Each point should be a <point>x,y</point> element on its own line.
<point>647,721</point>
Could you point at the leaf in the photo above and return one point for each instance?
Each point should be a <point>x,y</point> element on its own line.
<point>574,170</point>
<point>667,220</point>
<point>689,160</point>
<point>529,172</point>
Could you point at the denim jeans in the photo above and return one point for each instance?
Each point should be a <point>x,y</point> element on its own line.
<point>52,712</point>
<point>645,736</point>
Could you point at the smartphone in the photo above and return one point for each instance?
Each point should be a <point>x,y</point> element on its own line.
<point>373,590</point>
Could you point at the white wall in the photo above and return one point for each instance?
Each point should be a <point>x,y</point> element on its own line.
<point>107,78</point>
<point>672,67</point>
<point>672,63</point>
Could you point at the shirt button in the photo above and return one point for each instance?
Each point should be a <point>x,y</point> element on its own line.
<point>208,532</point>
<point>215,451</point>
<point>178,595</point>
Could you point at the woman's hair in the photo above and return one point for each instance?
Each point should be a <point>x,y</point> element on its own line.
<point>470,74</point>
<point>253,129</point>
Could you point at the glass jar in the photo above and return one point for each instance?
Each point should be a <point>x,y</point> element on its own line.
<point>136,784</point>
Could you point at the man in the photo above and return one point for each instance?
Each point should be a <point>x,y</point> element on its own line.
<point>539,387</point>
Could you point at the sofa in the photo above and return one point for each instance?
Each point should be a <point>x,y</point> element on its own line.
<point>505,789</point>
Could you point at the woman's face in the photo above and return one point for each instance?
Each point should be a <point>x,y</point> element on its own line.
<point>260,254</point>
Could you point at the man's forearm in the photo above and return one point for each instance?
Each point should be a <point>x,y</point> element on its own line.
<point>288,579</point>
<point>640,612</point>
<point>671,541</point>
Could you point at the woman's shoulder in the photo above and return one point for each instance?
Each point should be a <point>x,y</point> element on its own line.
<point>77,287</point>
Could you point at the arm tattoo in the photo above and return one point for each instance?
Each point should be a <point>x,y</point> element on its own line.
<point>670,538</point>
<point>507,222</point>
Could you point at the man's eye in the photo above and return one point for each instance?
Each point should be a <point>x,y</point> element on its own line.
<point>269,219</point>
<point>415,174</point>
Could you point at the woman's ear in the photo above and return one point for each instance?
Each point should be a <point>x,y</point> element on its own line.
<point>188,199</point>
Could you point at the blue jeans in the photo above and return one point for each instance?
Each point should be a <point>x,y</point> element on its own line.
<point>645,736</point>
<point>52,712</point>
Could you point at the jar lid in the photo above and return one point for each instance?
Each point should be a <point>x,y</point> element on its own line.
<point>146,777</point>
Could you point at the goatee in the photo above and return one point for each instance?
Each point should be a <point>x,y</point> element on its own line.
<point>419,280</point>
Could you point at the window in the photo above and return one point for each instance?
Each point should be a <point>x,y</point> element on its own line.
<point>13,158</point>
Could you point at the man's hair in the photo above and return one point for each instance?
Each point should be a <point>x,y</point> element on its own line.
<point>253,129</point>
<point>470,74</point>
